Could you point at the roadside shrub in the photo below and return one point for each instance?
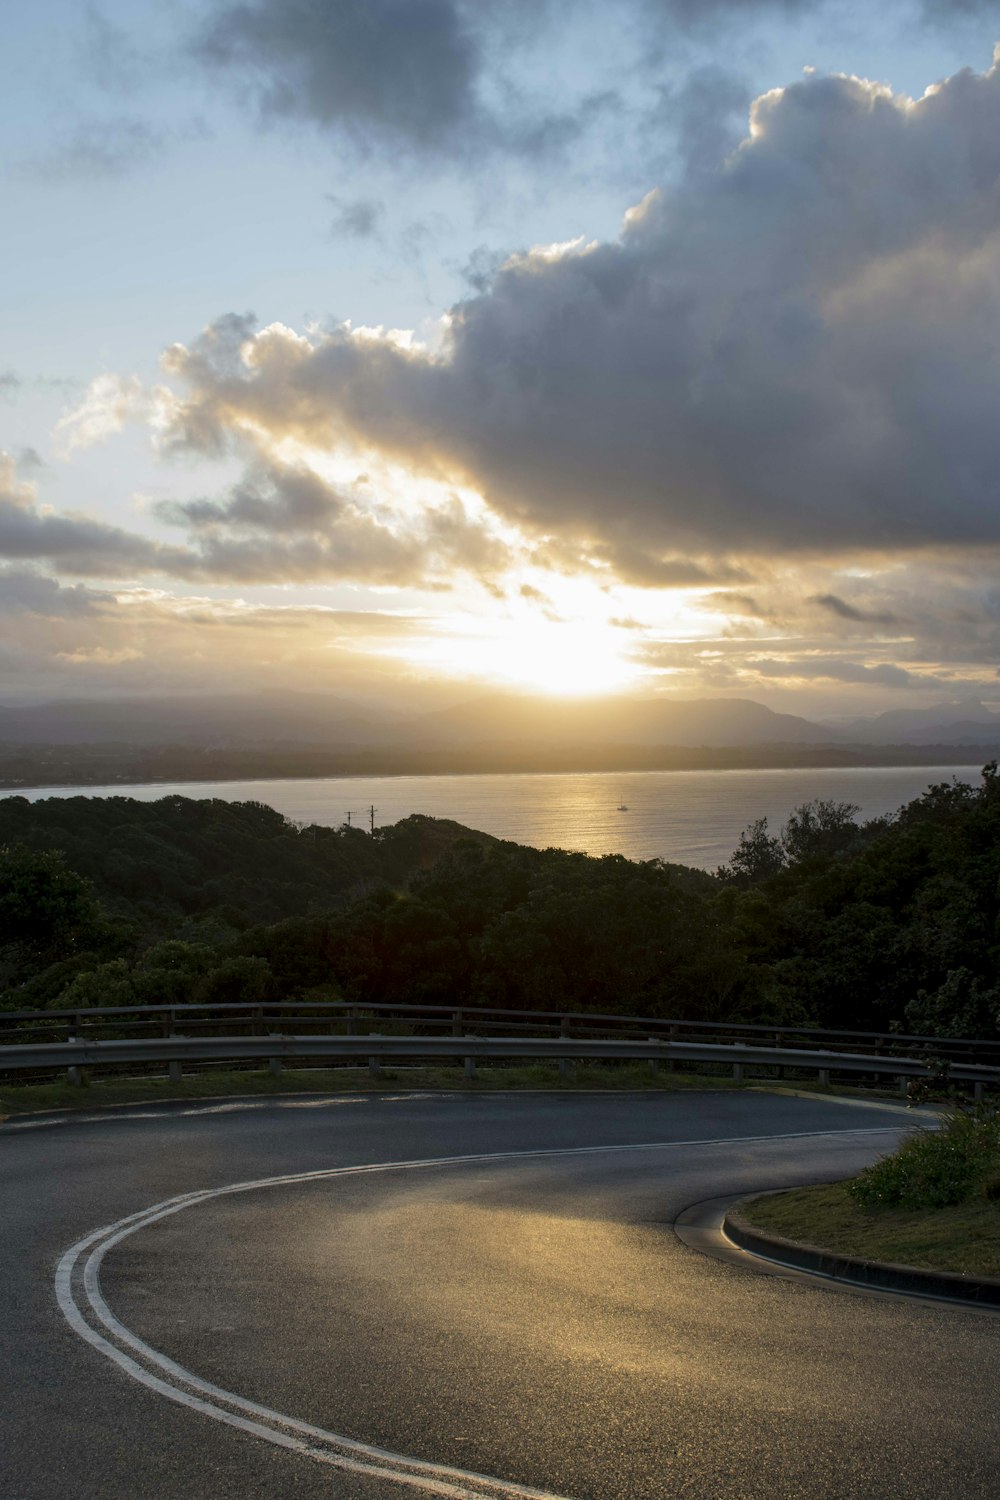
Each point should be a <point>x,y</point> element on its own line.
<point>936,1169</point>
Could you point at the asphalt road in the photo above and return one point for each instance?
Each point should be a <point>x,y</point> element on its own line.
<point>528,1317</point>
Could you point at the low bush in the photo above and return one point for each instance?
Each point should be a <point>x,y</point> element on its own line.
<point>933,1170</point>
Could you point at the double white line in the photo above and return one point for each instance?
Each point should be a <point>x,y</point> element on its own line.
<point>78,1290</point>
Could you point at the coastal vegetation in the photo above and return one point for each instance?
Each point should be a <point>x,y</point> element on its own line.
<point>889,924</point>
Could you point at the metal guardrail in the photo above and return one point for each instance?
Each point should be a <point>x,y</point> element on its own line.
<point>276,1048</point>
<point>309,1017</point>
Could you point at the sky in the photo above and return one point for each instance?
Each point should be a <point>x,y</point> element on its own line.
<point>403,349</point>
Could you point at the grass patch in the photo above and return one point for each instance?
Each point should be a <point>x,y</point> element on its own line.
<point>961,1237</point>
<point>18,1099</point>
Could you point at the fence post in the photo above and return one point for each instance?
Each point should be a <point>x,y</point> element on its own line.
<point>565,1065</point>
<point>73,1074</point>
<point>274,1063</point>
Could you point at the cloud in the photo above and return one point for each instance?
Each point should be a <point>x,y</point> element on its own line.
<point>426,77</point>
<point>391,71</point>
<point>356,218</point>
<point>707,114</point>
<point>885,674</point>
<point>845,611</point>
<point>796,354</point>
<point>742,606</point>
<point>109,402</point>
<point>283,522</point>
<point>74,544</point>
<point>104,148</point>
<point>24,593</point>
<point>10,385</point>
<point>110,55</point>
<point>146,641</point>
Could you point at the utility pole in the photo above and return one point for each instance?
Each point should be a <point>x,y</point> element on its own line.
<point>349,817</point>
<point>371,818</point>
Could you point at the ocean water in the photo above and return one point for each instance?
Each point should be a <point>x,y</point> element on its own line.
<point>687,817</point>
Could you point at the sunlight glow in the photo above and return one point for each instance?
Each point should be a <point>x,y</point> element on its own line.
<point>563,658</point>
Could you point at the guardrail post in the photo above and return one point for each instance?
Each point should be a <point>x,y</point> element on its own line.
<point>352,1021</point>
<point>737,1072</point>
<point>456,1023</point>
<point>374,1064</point>
<point>565,1065</point>
<point>902,1081</point>
<point>977,1090</point>
<point>174,1066</point>
<point>654,1062</point>
<point>824,1077</point>
<point>470,1064</point>
<point>274,1063</point>
<point>73,1074</point>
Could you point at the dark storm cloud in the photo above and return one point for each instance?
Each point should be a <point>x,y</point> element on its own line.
<point>396,70</point>
<point>796,353</point>
<point>398,74</point>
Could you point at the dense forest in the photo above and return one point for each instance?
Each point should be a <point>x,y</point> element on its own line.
<point>831,922</point>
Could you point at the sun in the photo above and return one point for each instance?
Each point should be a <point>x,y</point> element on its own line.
<point>556,658</point>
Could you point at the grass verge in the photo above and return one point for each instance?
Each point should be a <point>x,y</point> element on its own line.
<point>20,1099</point>
<point>962,1237</point>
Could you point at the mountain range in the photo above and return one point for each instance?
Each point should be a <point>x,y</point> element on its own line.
<point>493,720</point>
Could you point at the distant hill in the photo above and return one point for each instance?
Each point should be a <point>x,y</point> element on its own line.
<point>506,718</point>
<point>965,722</point>
<point>245,721</point>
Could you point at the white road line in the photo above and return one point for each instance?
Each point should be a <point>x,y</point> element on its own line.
<point>189,1390</point>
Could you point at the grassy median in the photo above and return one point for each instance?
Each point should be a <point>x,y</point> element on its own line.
<point>964,1237</point>
<point>934,1203</point>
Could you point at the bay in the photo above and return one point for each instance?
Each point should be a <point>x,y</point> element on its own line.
<point>686,817</point>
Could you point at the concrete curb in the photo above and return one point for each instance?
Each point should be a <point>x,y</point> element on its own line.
<point>952,1286</point>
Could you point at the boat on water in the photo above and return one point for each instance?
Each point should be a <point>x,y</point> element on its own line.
<point>623,805</point>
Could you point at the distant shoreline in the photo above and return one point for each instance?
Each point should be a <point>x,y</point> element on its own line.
<point>38,767</point>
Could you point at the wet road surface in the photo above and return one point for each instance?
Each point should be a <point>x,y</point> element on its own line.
<point>530,1317</point>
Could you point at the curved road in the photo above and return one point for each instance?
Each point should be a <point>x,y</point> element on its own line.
<point>525,1314</point>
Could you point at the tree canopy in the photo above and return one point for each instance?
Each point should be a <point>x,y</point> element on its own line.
<point>891,923</point>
